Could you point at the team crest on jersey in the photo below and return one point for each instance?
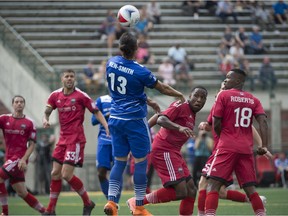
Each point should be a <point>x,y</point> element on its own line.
<point>7,123</point>
<point>241,93</point>
<point>180,170</point>
<point>73,100</point>
<point>23,126</point>
<point>58,101</point>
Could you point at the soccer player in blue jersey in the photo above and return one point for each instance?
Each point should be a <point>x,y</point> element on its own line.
<point>127,122</point>
<point>104,156</point>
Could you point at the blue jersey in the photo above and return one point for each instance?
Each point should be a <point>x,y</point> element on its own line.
<point>104,105</point>
<point>126,81</point>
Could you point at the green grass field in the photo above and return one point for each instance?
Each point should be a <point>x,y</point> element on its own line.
<point>70,204</point>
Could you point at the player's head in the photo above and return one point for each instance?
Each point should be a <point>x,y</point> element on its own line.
<point>235,79</point>
<point>18,103</point>
<point>128,45</point>
<point>197,98</point>
<point>68,78</point>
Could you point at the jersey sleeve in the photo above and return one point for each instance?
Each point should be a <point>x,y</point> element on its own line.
<point>52,101</point>
<point>98,104</point>
<point>89,103</point>
<point>173,111</point>
<point>148,78</point>
<point>259,108</point>
<point>219,105</point>
<point>33,133</point>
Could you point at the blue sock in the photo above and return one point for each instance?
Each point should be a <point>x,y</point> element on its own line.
<point>120,190</point>
<point>115,182</point>
<point>140,182</point>
<point>104,187</point>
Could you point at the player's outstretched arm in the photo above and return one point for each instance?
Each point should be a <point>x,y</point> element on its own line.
<point>153,120</point>
<point>168,90</point>
<point>98,114</point>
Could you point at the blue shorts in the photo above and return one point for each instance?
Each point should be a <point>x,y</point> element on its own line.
<point>104,157</point>
<point>130,135</point>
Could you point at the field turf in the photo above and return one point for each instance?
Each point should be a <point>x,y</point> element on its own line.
<point>69,203</point>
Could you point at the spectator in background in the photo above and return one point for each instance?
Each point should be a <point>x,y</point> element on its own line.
<point>100,75</point>
<point>222,51</point>
<point>182,74</point>
<point>43,163</point>
<point>281,164</point>
<point>237,52</point>
<point>225,9</point>
<point>226,65</point>
<point>279,12</point>
<point>166,72</point>
<point>143,54</point>
<point>191,7</point>
<point>110,30</point>
<point>228,37</point>
<point>177,54</point>
<point>267,74</point>
<point>261,16</point>
<point>154,11</point>
<point>203,149</point>
<point>244,65</point>
<point>242,38</point>
<point>211,6</point>
<point>89,76</point>
<point>144,25</point>
<point>256,42</point>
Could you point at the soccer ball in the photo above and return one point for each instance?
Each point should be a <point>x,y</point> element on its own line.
<point>128,15</point>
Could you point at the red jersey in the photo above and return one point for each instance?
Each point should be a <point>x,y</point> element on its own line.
<point>173,140</point>
<point>210,121</point>
<point>71,109</point>
<point>17,132</point>
<point>237,108</point>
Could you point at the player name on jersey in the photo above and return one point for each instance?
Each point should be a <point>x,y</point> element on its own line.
<point>241,99</point>
<point>121,68</point>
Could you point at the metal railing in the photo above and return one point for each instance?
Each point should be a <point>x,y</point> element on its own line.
<point>28,55</point>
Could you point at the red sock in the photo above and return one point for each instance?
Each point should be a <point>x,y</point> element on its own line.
<point>257,204</point>
<point>161,195</point>
<point>236,196</point>
<point>4,198</point>
<point>201,202</point>
<point>77,185</point>
<point>211,203</point>
<point>55,189</point>
<point>34,203</point>
<point>187,206</point>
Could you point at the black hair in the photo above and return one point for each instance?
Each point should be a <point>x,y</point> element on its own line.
<point>128,45</point>
<point>16,96</point>
<point>239,71</point>
<point>200,87</point>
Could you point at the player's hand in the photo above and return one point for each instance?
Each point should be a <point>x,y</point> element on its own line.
<point>187,131</point>
<point>154,106</point>
<point>46,124</point>
<point>107,132</point>
<point>204,126</point>
<point>263,151</point>
<point>22,165</point>
<point>182,98</point>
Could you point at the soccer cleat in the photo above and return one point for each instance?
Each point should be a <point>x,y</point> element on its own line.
<point>264,201</point>
<point>88,209</point>
<point>49,213</point>
<point>111,208</point>
<point>141,211</point>
<point>131,203</point>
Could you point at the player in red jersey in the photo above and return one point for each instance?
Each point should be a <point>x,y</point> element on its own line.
<point>69,152</point>
<point>177,123</point>
<point>223,193</point>
<point>17,130</point>
<point>232,117</point>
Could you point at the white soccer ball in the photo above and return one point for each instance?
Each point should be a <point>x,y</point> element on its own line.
<point>128,15</point>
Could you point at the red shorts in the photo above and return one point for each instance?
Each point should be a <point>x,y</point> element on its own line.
<point>72,154</point>
<point>225,162</point>
<point>170,166</point>
<point>10,170</point>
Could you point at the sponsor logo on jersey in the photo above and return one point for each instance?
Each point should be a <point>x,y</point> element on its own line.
<point>23,126</point>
